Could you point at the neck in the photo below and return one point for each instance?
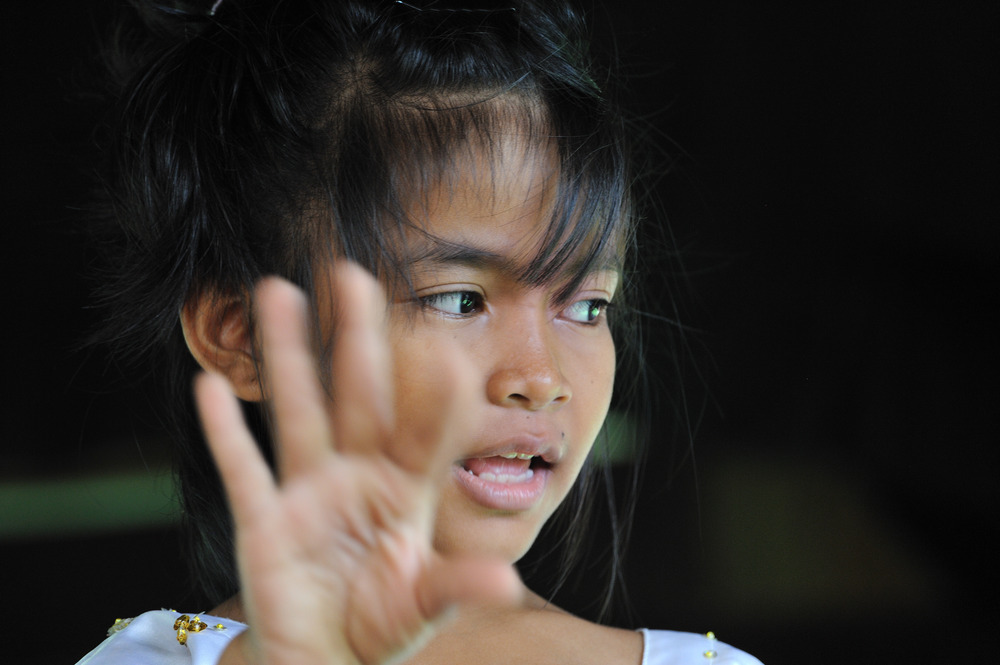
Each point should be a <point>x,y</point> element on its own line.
<point>232,608</point>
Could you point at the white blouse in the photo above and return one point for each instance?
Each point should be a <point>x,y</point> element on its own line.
<point>667,647</point>
<point>167,637</point>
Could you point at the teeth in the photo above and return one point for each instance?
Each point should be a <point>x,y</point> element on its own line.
<point>504,478</point>
<point>516,456</point>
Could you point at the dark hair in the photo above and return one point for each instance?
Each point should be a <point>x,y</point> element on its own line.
<point>257,137</point>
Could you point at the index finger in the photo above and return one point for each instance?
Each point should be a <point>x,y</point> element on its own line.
<point>300,422</point>
<point>245,475</point>
<point>433,416</point>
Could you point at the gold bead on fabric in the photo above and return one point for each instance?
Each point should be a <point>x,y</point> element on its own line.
<point>118,625</point>
<point>185,625</point>
<point>710,653</point>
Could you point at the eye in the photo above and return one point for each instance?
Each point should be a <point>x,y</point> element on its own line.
<point>457,303</point>
<point>586,311</point>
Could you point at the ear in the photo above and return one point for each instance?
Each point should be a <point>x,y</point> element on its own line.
<point>218,334</point>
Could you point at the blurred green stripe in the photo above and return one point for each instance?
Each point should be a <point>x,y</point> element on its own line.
<point>137,499</point>
<point>87,505</point>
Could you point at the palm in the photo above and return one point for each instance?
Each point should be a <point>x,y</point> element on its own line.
<point>335,558</point>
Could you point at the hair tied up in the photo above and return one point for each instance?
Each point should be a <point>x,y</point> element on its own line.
<point>481,10</point>
<point>172,20</point>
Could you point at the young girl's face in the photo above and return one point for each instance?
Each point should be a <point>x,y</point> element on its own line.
<point>543,368</point>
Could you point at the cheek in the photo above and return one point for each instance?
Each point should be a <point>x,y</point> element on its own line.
<point>427,369</point>
<point>414,384</point>
<point>592,379</point>
<point>593,384</point>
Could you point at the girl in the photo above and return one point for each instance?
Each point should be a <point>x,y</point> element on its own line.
<point>446,188</point>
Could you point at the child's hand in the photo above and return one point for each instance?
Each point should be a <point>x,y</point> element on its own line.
<point>335,555</point>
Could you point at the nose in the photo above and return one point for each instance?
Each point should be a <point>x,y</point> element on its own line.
<point>527,372</point>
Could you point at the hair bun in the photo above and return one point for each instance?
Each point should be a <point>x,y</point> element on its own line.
<point>458,6</point>
<point>176,19</point>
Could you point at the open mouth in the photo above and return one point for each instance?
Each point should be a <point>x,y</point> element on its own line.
<point>508,468</point>
<point>507,482</point>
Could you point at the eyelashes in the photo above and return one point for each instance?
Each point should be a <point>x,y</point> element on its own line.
<point>587,311</point>
<point>455,303</point>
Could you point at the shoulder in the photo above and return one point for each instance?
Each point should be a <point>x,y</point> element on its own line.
<point>667,647</point>
<point>500,636</point>
<point>152,639</point>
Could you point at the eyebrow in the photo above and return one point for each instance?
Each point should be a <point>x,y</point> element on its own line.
<point>441,252</point>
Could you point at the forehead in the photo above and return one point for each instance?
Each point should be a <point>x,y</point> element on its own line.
<point>499,199</point>
<point>509,189</point>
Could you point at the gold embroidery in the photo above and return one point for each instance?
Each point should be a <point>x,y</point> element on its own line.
<point>118,625</point>
<point>186,624</point>
<point>710,653</point>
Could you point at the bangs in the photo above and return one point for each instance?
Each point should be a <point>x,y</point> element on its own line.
<point>278,137</point>
<point>389,156</point>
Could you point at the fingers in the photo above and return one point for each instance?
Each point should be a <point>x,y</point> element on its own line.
<point>363,389</point>
<point>301,428</point>
<point>450,582</point>
<point>361,417</point>
<point>245,475</point>
<point>433,416</point>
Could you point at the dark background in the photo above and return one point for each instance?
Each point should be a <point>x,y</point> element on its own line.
<point>833,183</point>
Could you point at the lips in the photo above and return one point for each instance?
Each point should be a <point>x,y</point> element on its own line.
<point>503,469</point>
<point>510,481</point>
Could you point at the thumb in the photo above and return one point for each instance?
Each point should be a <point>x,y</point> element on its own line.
<point>449,582</point>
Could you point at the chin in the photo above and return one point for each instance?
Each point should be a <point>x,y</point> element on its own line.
<point>465,531</point>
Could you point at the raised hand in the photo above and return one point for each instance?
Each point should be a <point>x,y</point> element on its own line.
<point>335,555</point>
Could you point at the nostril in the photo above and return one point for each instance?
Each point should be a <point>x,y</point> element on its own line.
<point>532,390</point>
<point>534,404</point>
